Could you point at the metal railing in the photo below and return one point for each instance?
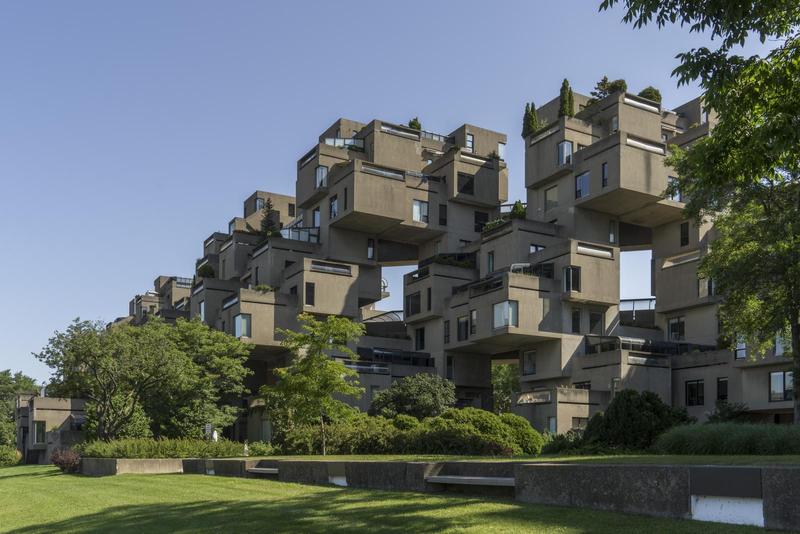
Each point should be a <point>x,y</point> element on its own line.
<point>308,234</point>
<point>367,367</point>
<point>436,137</point>
<point>634,305</point>
<point>182,281</point>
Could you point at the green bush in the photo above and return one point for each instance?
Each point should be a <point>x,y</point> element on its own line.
<point>632,421</point>
<point>405,422</point>
<point>651,93</point>
<point>261,448</point>
<point>439,435</point>
<point>528,439</point>
<point>730,438</point>
<point>160,448</point>
<point>420,395</point>
<point>488,425</point>
<point>570,442</point>
<point>728,412</point>
<point>9,456</point>
<point>360,434</point>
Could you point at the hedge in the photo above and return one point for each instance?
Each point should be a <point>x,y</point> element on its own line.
<point>160,448</point>
<point>730,438</point>
<point>9,456</point>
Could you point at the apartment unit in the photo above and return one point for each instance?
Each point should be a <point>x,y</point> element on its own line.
<point>490,284</point>
<point>46,424</point>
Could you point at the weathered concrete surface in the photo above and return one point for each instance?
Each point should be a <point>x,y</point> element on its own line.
<point>726,481</point>
<point>196,466</point>
<point>639,489</point>
<point>147,466</point>
<point>99,467</point>
<point>781,490</point>
<point>478,469</point>
<point>303,472</point>
<point>378,475</point>
<point>232,467</point>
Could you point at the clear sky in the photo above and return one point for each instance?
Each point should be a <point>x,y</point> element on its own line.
<point>129,131</point>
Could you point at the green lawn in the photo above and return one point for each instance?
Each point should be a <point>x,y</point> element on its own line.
<point>40,499</point>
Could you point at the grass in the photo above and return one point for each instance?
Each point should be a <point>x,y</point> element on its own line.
<point>39,499</point>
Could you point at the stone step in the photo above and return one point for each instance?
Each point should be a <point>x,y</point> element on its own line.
<point>471,481</point>
<point>263,470</point>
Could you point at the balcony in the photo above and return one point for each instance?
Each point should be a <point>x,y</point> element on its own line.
<point>371,368</point>
<point>306,234</point>
<point>348,143</point>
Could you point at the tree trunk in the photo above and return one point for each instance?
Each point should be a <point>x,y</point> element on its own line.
<point>796,358</point>
<point>322,428</point>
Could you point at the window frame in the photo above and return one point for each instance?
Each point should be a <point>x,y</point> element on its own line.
<point>239,321</point>
<point>333,207</point>
<point>479,224</point>
<point>419,211</point>
<point>699,393</point>
<point>468,186</point>
<point>576,314</point>
<point>604,174</point>
<point>320,178</point>
<point>720,381</point>
<point>37,434</point>
<point>570,275</point>
<point>528,370</point>
<point>469,144</point>
<point>370,248</point>
<point>509,318</point>
<point>788,392</point>
<point>550,204</point>
<point>310,294</point>
<point>419,338</point>
<point>443,214</point>
<point>411,299</point>
<point>567,157</point>
<point>473,322</point>
<point>582,184</point>
<point>684,234</point>
<point>462,334</point>
<point>680,321</point>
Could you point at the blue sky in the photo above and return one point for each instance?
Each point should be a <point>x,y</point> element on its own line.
<point>130,131</point>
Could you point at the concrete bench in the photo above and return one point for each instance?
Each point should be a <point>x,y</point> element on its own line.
<point>263,470</point>
<point>471,481</point>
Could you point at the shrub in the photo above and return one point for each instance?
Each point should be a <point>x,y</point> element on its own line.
<point>9,456</point>
<point>727,412</point>
<point>415,124</point>
<point>518,210</point>
<point>405,422</point>
<point>261,448</point>
<point>632,421</point>
<point>569,442</point>
<point>730,438</point>
<point>160,448</point>
<point>494,223</point>
<point>528,439</point>
<point>651,93</point>
<point>493,436</point>
<point>206,271</point>
<point>361,434</point>
<point>68,460</point>
<point>420,395</point>
<point>264,288</point>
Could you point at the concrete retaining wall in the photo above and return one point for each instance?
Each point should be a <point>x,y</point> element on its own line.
<point>781,491</point>
<point>122,466</point>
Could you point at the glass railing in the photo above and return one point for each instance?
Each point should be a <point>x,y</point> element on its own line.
<point>181,281</point>
<point>307,234</point>
<point>436,137</point>
<point>341,142</point>
<point>368,367</point>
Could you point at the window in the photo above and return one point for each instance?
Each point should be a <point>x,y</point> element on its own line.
<point>781,386</point>
<point>684,233</point>
<point>370,249</point>
<point>419,338</point>
<point>706,287</point>
<point>259,204</point>
<point>529,362</point>
<point>202,310</point>
<point>501,150</point>
<point>443,214</point>
<point>576,320</point>
<point>535,248</point>
<point>420,211</point>
<point>564,153</point>
<point>612,231</point>
<point>740,352</point>
<point>596,323</point>
<point>676,194</point>
<point>694,393</point>
<point>466,183</point>
<point>676,328</point>
<point>450,368</point>
<point>579,423</point>
<point>506,314</point>
<point>604,174</point>
<point>231,227</point>
<point>293,290</point>
<point>551,198</point>
<point>581,147</point>
<point>333,205</point>
<point>38,432</point>
<point>242,325</point>
<point>480,218</point>
<point>551,425</point>
<point>292,210</point>
<point>489,262</point>
<point>255,276</point>
<point>462,328</point>
<point>310,293</point>
<point>315,217</point>
<point>614,124</point>
<point>430,298</point>
<point>413,305</point>
<point>344,199</point>
<point>780,345</point>
<point>446,327</point>
<point>722,389</point>
<point>587,384</point>
<point>572,278</point>
<point>470,143</point>
<point>582,185</point>
<point>473,322</point>
<point>321,176</point>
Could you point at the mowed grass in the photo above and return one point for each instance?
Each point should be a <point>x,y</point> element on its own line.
<point>37,499</point>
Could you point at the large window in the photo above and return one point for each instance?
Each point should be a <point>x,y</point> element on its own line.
<point>315,220</point>
<point>576,320</point>
<point>448,374</point>
<point>564,153</point>
<point>413,305</point>
<point>466,183</point>
<point>370,249</point>
<point>462,326</point>
<point>505,314</point>
<point>551,198</point>
<point>242,325</point>
<point>333,205</point>
<point>489,262</point>
<point>572,278</point>
<point>676,328</point>
<point>695,395</point>
<point>722,388</point>
<point>202,310</point>
<point>480,219</point>
<point>310,296</point>
<point>38,432</point>
<point>419,338</point>
<point>529,362</point>
<point>259,204</point>
<point>781,386</point>
<point>596,323</point>
<point>604,174</point>
<point>420,211</point>
<point>613,229</point>
<point>292,209</point>
<point>501,150</point>
<point>321,176</point>
<point>443,214</point>
<point>614,123</point>
<point>446,327</point>
<point>684,234</point>
<point>429,299</point>
<point>470,143</point>
<point>473,322</point>
<point>582,185</point>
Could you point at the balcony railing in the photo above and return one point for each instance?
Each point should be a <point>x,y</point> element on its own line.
<point>308,234</point>
<point>598,344</point>
<point>436,137</point>
<point>367,367</point>
<point>341,142</point>
<point>181,281</point>
<point>395,356</point>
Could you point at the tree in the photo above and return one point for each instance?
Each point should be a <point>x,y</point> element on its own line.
<point>505,384</point>
<point>530,121</point>
<point>518,210</point>
<point>604,87</point>
<point>11,385</point>
<point>206,271</point>
<point>415,124</point>
<point>651,93</point>
<point>745,177</point>
<point>566,100</point>
<point>269,227</point>
<point>305,390</point>
<point>420,395</point>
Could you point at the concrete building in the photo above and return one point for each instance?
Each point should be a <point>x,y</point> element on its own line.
<point>489,286</point>
<point>45,424</point>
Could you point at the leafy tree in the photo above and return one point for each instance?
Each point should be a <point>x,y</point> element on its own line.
<point>651,93</point>
<point>530,121</point>
<point>518,210</point>
<point>415,124</point>
<point>206,271</point>
<point>604,87</point>
<point>745,178</point>
<point>269,227</point>
<point>11,385</point>
<point>566,100</point>
<point>505,384</point>
<point>420,395</point>
<point>306,390</point>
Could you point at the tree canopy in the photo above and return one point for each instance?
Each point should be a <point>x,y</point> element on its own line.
<point>566,100</point>
<point>420,395</point>
<point>530,121</point>
<point>11,385</point>
<point>415,124</point>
